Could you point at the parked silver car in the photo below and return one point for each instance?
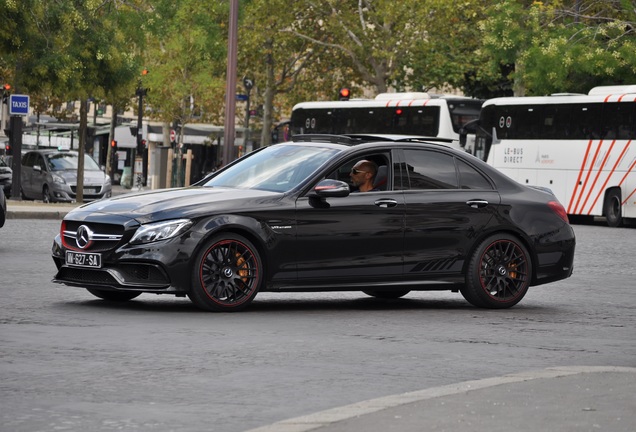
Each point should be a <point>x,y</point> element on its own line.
<point>51,175</point>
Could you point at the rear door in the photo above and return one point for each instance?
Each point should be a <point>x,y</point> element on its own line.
<point>448,204</point>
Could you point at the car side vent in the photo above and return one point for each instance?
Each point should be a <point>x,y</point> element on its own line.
<point>442,265</point>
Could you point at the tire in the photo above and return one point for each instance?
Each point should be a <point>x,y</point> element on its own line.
<point>612,208</point>
<point>3,206</point>
<point>46,194</point>
<point>116,296</point>
<point>388,294</point>
<point>499,273</point>
<point>227,274</point>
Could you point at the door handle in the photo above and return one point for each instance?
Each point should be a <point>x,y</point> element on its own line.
<point>477,203</point>
<point>386,203</point>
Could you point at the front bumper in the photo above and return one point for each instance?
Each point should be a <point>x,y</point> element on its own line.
<point>140,269</point>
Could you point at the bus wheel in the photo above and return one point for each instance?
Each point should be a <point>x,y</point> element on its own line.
<point>612,208</point>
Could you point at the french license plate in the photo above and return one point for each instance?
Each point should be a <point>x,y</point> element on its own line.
<point>83,259</point>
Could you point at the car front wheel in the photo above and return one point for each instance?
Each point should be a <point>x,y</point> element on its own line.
<point>499,273</point>
<point>227,274</point>
<point>46,194</point>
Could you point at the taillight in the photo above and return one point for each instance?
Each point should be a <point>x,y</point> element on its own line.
<point>559,210</point>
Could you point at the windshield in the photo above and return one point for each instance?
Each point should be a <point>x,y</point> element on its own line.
<point>279,168</point>
<point>68,161</point>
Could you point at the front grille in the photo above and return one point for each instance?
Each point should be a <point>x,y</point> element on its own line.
<point>123,275</point>
<point>106,236</point>
<point>144,273</point>
<point>97,277</point>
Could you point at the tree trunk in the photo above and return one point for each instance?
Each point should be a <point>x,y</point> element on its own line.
<point>82,149</point>
<point>268,103</point>
<point>110,169</point>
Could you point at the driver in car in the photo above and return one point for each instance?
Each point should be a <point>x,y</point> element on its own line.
<point>362,175</point>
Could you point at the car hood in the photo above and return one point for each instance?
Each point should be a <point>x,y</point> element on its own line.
<point>167,204</point>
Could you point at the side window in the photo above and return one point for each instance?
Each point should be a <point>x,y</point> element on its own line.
<point>343,172</point>
<point>39,160</point>
<point>470,178</point>
<point>28,159</point>
<point>429,170</point>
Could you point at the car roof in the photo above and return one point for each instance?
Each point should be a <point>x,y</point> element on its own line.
<point>47,151</point>
<point>353,139</point>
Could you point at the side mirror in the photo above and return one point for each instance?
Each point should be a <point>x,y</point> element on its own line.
<point>37,168</point>
<point>329,188</point>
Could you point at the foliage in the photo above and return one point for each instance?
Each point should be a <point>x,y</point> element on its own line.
<point>557,47</point>
<point>186,60</point>
<point>61,50</point>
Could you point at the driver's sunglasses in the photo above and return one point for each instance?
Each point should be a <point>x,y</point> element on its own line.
<point>356,171</point>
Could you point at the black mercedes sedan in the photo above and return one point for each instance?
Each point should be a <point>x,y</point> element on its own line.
<point>380,215</point>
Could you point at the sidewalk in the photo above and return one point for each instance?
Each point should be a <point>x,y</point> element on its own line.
<point>27,209</point>
<point>555,399</point>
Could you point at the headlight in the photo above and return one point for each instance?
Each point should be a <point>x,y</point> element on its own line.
<point>160,231</point>
<point>106,179</point>
<point>57,179</point>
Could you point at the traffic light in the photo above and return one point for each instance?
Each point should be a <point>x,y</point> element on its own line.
<point>344,94</point>
<point>6,89</point>
<point>113,144</point>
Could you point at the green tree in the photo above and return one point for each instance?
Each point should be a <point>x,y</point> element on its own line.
<point>69,50</point>
<point>558,46</point>
<point>286,68</point>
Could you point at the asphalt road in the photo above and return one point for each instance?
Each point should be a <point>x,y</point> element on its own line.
<point>74,363</point>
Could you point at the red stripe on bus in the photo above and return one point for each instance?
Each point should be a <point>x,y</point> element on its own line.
<point>609,176</point>
<point>630,195</point>
<point>578,180</point>
<point>598,174</point>
<point>627,173</point>
<point>587,177</point>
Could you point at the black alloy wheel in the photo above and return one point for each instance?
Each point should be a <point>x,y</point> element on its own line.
<point>499,273</point>
<point>115,296</point>
<point>227,274</point>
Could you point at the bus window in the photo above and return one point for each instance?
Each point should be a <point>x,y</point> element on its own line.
<point>619,121</point>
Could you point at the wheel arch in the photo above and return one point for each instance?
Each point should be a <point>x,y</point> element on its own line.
<point>237,228</point>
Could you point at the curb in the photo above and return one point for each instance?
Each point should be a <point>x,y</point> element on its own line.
<point>325,418</point>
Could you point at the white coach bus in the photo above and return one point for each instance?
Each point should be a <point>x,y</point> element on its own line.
<point>435,116</point>
<point>582,147</point>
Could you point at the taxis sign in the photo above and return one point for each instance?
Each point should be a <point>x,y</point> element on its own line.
<point>18,104</point>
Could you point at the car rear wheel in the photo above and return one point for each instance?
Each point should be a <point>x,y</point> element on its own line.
<point>227,274</point>
<point>499,273</point>
<point>117,296</point>
<point>387,294</point>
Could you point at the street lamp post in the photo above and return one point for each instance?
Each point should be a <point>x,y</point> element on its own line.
<point>230,88</point>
